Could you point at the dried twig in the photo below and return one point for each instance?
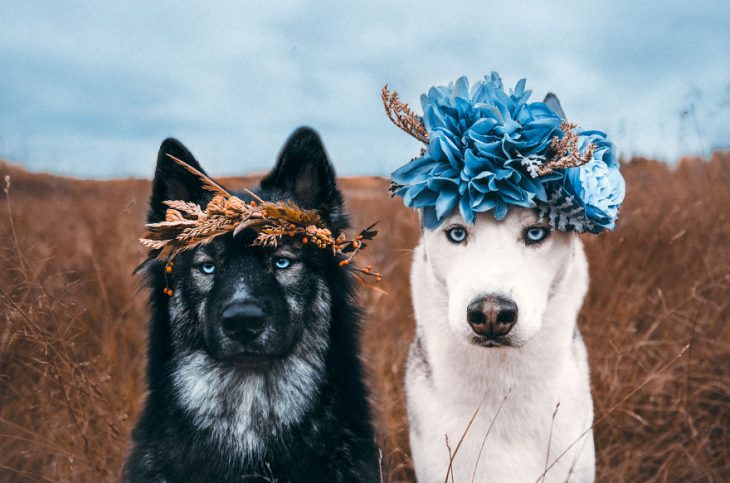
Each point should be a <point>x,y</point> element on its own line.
<point>613,408</point>
<point>486,435</point>
<point>208,184</point>
<point>566,151</point>
<point>402,116</point>
<point>450,469</point>
<point>550,439</point>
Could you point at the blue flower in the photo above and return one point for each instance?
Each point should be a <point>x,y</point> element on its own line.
<point>485,148</point>
<point>597,187</point>
<point>478,139</point>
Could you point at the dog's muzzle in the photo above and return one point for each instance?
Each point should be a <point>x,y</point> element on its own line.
<point>492,316</point>
<point>243,322</point>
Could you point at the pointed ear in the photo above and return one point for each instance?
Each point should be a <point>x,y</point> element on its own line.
<point>172,181</point>
<point>304,172</point>
<point>553,103</point>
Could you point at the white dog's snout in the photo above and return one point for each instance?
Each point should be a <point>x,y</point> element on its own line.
<point>492,316</point>
<point>495,304</point>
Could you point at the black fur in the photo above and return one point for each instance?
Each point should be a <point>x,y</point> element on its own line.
<point>332,441</point>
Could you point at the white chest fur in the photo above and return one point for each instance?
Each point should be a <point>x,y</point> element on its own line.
<point>514,390</point>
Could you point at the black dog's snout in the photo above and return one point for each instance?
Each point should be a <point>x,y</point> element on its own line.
<point>492,316</point>
<point>243,322</point>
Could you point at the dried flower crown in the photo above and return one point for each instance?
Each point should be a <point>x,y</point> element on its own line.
<point>487,150</point>
<point>187,225</point>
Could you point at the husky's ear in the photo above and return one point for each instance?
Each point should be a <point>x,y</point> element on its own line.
<point>553,103</point>
<point>172,181</point>
<point>304,171</point>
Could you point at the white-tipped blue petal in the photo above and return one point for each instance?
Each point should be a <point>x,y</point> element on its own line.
<point>425,197</point>
<point>446,202</point>
<point>461,88</point>
<point>429,218</point>
<point>414,171</point>
<point>465,209</point>
<point>412,192</point>
<point>500,211</point>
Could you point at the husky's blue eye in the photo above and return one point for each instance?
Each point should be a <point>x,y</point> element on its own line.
<point>456,234</point>
<point>282,262</point>
<point>207,268</point>
<point>536,234</point>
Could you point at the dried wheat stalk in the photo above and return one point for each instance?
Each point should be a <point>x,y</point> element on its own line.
<point>566,151</point>
<point>402,116</point>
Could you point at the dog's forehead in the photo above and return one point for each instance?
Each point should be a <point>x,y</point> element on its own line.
<point>525,216</point>
<point>267,194</point>
<point>517,217</point>
<point>231,248</point>
<point>226,248</point>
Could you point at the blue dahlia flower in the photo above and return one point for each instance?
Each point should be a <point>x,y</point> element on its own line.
<point>597,187</point>
<point>479,139</point>
<point>488,150</point>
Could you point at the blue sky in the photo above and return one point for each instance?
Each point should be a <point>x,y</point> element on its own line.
<point>91,88</point>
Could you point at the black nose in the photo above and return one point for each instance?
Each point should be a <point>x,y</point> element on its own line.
<point>243,322</point>
<point>492,316</point>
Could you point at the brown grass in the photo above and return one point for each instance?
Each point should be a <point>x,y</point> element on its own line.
<point>73,324</point>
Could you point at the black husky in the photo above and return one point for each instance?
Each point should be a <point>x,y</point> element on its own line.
<point>253,360</point>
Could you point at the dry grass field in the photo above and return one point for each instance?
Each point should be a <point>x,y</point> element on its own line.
<point>73,324</point>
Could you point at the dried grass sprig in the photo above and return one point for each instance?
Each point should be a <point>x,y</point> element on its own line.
<point>402,116</point>
<point>187,225</point>
<point>208,184</point>
<point>566,151</point>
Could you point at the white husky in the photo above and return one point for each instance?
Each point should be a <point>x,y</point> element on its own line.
<point>496,305</point>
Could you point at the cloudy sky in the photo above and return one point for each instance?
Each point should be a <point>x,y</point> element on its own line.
<point>91,88</point>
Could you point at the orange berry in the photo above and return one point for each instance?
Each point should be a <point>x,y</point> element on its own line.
<point>305,240</point>
<point>254,204</point>
<point>168,269</point>
<point>344,262</point>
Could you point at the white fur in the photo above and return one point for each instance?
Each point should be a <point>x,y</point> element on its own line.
<point>234,406</point>
<point>449,377</point>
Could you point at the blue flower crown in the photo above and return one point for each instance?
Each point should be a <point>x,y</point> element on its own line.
<point>487,150</point>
